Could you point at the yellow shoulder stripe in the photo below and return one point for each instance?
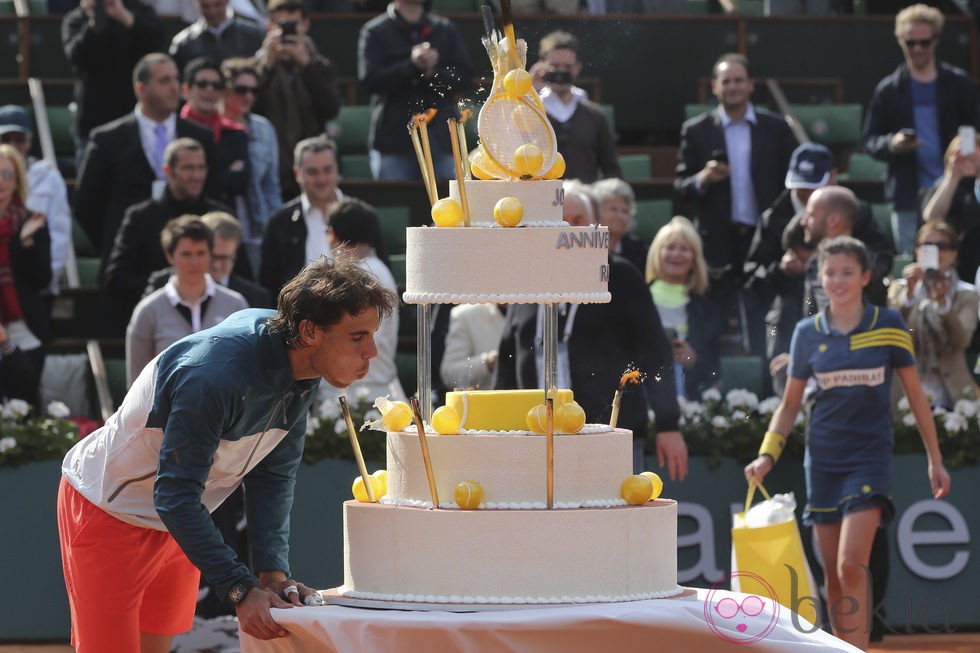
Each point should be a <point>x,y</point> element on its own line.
<point>883,337</point>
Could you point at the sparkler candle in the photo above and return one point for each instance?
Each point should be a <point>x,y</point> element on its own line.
<point>413,133</point>
<point>631,375</point>
<point>550,454</point>
<point>429,169</point>
<point>460,177</point>
<point>424,444</point>
<point>464,151</point>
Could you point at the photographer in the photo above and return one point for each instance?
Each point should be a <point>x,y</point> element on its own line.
<point>941,313</point>
<point>585,137</point>
<point>298,89</point>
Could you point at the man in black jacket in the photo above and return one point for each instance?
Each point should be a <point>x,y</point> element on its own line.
<point>137,251</point>
<point>123,162</point>
<point>103,54</point>
<point>217,35</point>
<point>914,114</point>
<point>601,340</point>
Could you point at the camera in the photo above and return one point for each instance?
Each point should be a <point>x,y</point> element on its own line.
<point>559,77</point>
<point>721,156</point>
<point>100,20</point>
<point>288,28</point>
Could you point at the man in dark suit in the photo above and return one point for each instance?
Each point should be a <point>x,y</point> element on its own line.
<point>297,233</point>
<point>123,162</point>
<point>602,340</point>
<point>731,163</point>
<point>137,252</point>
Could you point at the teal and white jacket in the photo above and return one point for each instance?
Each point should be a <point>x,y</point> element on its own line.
<point>214,410</point>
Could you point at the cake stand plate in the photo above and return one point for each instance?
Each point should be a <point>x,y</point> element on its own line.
<point>333,597</point>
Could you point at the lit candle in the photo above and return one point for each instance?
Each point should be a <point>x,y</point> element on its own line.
<point>414,135</point>
<point>631,375</point>
<point>458,162</point>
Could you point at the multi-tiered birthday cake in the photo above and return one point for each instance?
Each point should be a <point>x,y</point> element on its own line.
<point>507,528</point>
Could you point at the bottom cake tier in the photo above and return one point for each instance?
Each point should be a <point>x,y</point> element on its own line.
<point>585,555</point>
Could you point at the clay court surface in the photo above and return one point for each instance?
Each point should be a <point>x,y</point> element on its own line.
<point>943,643</point>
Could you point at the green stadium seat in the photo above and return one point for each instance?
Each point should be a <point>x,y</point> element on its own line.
<point>453,6</point>
<point>864,167</point>
<point>397,264</point>
<point>650,216</point>
<point>692,110</point>
<point>61,120</point>
<point>355,166</point>
<point>751,8</point>
<point>697,7</point>
<point>742,372</point>
<point>88,270</point>
<point>831,124</point>
<point>7,8</point>
<point>394,221</point>
<point>882,214</point>
<point>636,167</point>
<point>83,246</point>
<point>405,363</point>
<point>115,369</point>
<point>899,263</point>
<point>610,111</point>
<point>350,128</point>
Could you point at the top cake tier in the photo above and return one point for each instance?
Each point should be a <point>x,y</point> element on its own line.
<point>542,261</point>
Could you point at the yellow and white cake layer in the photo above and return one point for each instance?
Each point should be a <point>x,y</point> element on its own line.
<point>460,265</point>
<point>542,200</point>
<point>589,555</point>
<point>498,410</point>
<point>589,469</point>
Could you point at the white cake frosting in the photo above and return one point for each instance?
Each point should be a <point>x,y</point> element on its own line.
<point>518,265</point>
<point>542,200</point>
<point>588,555</point>
<point>511,470</point>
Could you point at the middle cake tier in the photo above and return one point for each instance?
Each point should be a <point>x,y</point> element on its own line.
<point>512,469</point>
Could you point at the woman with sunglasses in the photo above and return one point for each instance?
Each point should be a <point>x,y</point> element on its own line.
<point>941,313</point>
<point>844,357</point>
<point>264,191</point>
<point>25,267</point>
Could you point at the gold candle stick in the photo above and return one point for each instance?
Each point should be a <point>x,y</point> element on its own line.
<point>617,397</point>
<point>427,150</point>
<point>413,133</point>
<point>425,452</point>
<point>458,162</point>
<point>464,151</point>
<point>631,375</point>
<point>352,433</point>
<point>550,446</point>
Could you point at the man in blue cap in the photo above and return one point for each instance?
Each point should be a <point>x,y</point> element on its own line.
<point>47,192</point>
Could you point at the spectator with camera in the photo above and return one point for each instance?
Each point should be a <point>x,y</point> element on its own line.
<point>585,138</point>
<point>954,200</point>
<point>217,35</point>
<point>940,311</point>
<point>298,89</point>
<point>912,113</point>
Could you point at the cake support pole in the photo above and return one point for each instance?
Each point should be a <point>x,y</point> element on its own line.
<point>424,358</point>
<point>550,334</point>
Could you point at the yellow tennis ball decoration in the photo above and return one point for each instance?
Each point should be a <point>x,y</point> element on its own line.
<point>517,83</point>
<point>537,419</point>
<point>447,212</point>
<point>658,484</point>
<point>445,420</point>
<point>479,172</point>
<point>397,416</point>
<point>528,159</point>
<point>360,492</point>
<point>569,417</point>
<point>508,211</point>
<point>636,489</point>
<point>468,495</point>
<point>382,475</point>
<point>557,168</point>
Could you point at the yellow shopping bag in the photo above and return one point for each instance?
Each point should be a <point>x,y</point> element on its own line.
<point>769,561</point>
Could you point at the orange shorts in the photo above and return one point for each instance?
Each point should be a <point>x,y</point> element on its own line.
<point>122,579</point>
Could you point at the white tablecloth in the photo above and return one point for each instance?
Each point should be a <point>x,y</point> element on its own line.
<point>677,624</point>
